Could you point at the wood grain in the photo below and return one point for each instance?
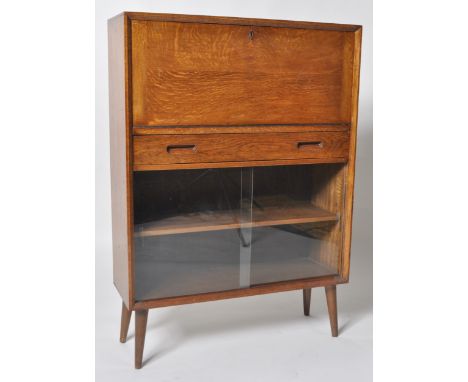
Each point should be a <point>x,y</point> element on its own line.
<point>238,147</point>
<point>351,167</point>
<point>207,74</point>
<point>120,157</point>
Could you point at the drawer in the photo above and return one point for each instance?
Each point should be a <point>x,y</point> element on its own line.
<point>210,148</point>
<point>190,74</point>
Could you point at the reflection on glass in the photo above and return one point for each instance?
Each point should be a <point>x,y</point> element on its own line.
<point>245,229</point>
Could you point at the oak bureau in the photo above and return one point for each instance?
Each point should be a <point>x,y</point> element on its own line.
<point>232,159</point>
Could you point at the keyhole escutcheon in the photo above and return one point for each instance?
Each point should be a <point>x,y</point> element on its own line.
<point>251,35</point>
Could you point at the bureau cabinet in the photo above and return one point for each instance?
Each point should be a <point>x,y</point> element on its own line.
<point>232,159</point>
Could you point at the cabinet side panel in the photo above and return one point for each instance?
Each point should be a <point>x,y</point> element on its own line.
<point>350,170</point>
<point>120,157</point>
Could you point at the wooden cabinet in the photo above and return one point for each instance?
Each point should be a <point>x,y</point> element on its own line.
<point>232,153</point>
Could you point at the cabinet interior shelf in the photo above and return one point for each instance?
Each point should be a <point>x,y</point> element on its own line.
<point>292,213</point>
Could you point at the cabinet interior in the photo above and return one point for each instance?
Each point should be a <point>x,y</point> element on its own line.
<point>204,230</point>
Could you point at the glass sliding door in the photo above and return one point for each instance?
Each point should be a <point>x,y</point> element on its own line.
<point>210,230</point>
<point>296,219</point>
<point>186,238</point>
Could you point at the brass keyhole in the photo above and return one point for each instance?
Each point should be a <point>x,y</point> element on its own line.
<point>251,34</point>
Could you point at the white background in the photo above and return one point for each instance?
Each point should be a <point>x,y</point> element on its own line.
<point>264,338</point>
<point>47,98</point>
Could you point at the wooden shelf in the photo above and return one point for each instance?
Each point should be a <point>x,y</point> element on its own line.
<point>280,214</point>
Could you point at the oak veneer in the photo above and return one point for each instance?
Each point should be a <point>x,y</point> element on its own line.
<point>208,74</point>
<point>206,148</point>
<point>230,111</point>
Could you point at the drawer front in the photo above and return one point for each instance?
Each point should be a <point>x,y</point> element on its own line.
<point>210,148</point>
<point>186,74</point>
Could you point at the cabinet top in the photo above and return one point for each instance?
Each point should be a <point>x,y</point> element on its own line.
<point>237,21</point>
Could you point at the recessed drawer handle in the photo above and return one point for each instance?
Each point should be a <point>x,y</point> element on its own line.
<point>174,149</point>
<point>312,144</point>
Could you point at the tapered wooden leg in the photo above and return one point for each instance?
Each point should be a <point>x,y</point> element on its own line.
<point>330,292</point>
<point>141,316</point>
<point>306,300</point>
<point>124,323</point>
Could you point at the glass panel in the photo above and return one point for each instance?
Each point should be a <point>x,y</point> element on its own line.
<point>296,211</point>
<point>199,231</point>
<point>186,232</point>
